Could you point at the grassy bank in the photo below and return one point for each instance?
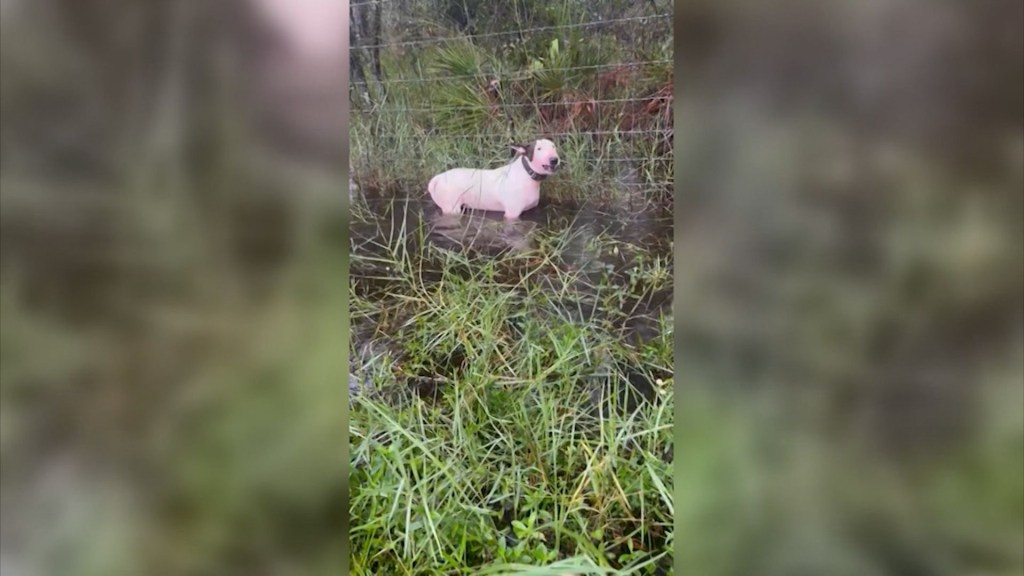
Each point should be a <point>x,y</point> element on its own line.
<point>500,429</point>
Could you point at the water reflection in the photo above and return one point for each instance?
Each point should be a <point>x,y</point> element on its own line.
<point>481,231</point>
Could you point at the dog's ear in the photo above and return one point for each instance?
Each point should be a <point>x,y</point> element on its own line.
<point>520,150</point>
<point>529,150</point>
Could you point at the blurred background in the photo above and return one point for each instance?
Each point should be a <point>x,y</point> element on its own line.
<point>849,275</point>
<point>172,295</point>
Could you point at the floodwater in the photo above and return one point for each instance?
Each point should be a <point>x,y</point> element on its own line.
<point>599,246</point>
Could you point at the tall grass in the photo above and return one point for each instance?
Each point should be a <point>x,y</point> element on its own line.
<point>500,426</point>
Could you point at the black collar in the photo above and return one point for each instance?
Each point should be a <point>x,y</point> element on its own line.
<point>537,177</point>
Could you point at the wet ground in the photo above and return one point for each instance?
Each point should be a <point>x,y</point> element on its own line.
<point>609,268</point>
<point>604,274</point>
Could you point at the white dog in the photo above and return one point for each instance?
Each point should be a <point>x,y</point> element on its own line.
<point>512,189</point>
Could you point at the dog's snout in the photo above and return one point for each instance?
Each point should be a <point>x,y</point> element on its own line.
<point>554,162</point>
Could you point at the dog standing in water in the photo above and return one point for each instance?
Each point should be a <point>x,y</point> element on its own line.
<point>512,189</point>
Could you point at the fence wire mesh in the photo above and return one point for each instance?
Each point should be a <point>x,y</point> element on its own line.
<point>446,83</point>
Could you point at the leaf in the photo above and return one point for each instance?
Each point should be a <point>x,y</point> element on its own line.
<point>519,528</point>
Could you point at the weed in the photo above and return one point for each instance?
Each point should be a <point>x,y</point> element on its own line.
<point>506,426</point>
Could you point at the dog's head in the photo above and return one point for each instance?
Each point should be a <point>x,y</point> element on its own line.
<point>542,156</point>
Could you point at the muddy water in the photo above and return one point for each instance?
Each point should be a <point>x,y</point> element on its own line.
<point>599,247</point>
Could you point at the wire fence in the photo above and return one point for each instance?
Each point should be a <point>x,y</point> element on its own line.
<point>422,41</point>
<point>446,83</point>
<point>521,76</point>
